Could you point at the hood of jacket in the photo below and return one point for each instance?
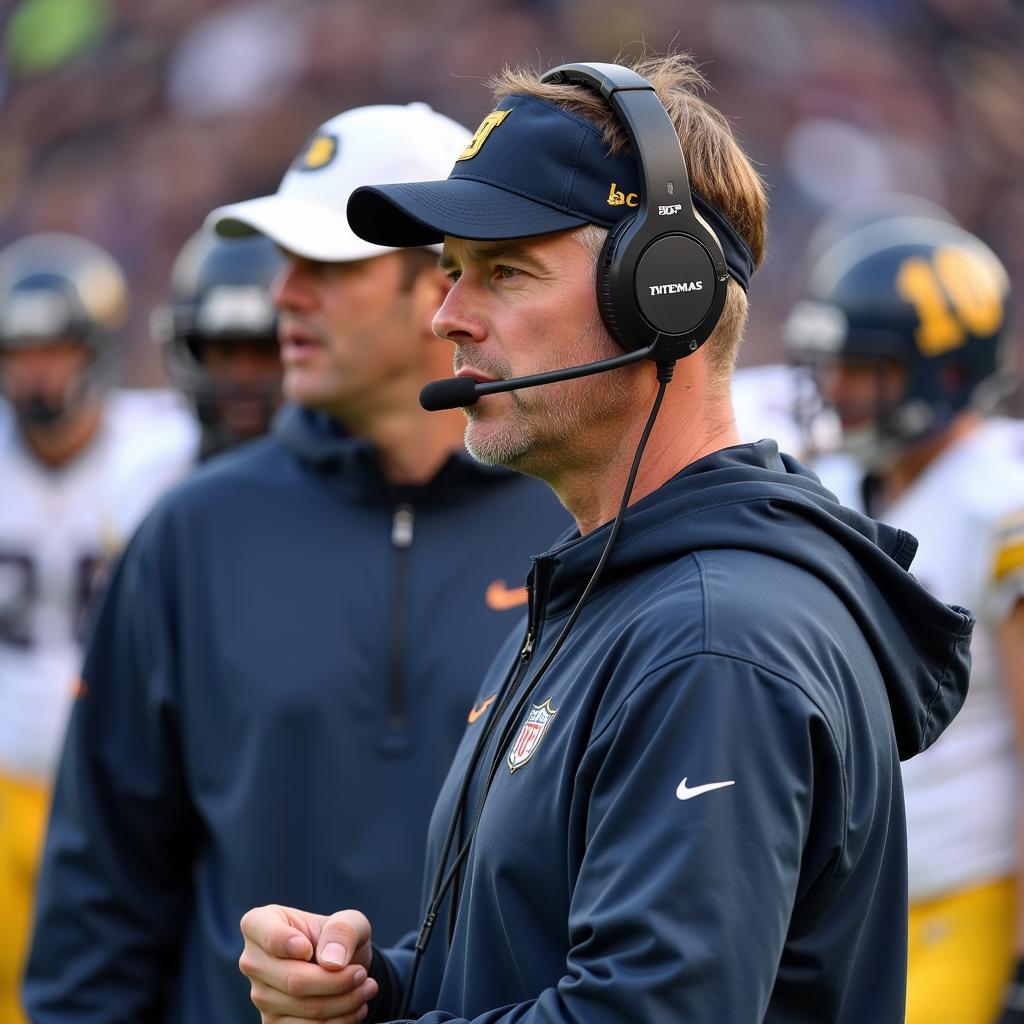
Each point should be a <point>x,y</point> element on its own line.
<point>321,442</point>
<point>777,507</point>
<point>313,436</point>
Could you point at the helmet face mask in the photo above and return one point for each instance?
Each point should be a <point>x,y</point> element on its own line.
<point>912,310</point>
<point>219,335</point>
<point>62,301</point>
<point>869,398</point>
<point>46,382</point>
<point>236,386</point>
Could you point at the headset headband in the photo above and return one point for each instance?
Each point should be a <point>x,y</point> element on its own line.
<point>664,275</point>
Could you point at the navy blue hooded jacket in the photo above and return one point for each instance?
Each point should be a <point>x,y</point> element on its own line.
<point>697,815</point>
<point>285,636</point>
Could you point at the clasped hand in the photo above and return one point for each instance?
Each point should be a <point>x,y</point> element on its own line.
<point>304,966</point>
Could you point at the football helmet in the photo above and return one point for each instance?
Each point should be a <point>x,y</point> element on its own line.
<point>220,311</point>
<point>916,301</point>
<point>59,288</point>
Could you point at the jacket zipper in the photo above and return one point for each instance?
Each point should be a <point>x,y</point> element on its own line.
<point>536,581</point>
<point>533,586</point>
<point>401,539</point>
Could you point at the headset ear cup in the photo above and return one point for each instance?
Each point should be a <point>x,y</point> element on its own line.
<point>606,263</point>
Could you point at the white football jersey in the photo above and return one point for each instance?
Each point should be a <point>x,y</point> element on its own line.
<point>765,400</point>
<point>57,529</point>
<point>967,511</point>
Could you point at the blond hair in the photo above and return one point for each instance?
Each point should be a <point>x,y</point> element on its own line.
<point>719,169</point>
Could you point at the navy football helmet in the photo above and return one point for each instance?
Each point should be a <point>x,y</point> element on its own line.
<point>219,314</point>
<point>59,288</point>
<point>910,292</point>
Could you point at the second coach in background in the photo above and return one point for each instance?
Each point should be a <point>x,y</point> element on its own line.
<point>303,624</point>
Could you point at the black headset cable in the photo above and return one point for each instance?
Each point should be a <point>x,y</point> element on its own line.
<point>443,881</point>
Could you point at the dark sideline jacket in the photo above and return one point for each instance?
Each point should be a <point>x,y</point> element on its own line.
<point>697,815</point>
<point>276,680</point>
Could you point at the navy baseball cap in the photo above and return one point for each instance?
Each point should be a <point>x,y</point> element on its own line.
<point>532,168</point>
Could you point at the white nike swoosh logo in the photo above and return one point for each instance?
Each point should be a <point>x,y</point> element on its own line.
<point>685,792</point>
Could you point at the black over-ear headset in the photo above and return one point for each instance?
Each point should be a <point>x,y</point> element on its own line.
<point>661,286</point>
<point>662,277</point>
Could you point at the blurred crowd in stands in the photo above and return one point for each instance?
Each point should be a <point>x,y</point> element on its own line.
<point>127,120</point>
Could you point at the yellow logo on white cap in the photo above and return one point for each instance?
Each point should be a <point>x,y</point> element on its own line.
<point>319,152</point>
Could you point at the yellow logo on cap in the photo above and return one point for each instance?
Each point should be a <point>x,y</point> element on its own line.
<point>617,198</point>
<point>319,152</point>
<point>487,125</point>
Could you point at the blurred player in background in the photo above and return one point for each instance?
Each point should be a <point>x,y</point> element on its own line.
<point>764,399</point>
<point>79,465</point>
<point>783,401</point>
<point>218,332</point>
<point>903,323</point>
<point>302,623</point>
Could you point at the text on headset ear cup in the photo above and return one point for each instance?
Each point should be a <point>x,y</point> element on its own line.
<point>658,289</point>
<point>674,284</point>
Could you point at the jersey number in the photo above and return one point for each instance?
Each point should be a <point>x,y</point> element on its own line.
<point>19,592</point>
<point>953,294</point>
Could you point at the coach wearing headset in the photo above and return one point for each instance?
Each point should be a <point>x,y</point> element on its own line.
<point>681,798</point>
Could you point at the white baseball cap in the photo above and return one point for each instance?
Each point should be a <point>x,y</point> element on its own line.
<point>365,146</point>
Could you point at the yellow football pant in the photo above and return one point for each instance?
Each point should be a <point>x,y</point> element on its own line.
<point>961,956</point>
<point>23,812</point>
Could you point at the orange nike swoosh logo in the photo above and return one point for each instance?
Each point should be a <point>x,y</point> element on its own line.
<point>500,598</point>
<point>476,712</point>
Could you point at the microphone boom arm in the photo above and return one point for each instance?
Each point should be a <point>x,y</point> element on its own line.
<point>553,376</point>
<point>457,392</point>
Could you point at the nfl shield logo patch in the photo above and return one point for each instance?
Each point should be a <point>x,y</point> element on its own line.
<point>529,736</point>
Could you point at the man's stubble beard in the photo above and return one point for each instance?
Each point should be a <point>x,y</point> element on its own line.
<point>540,446</point>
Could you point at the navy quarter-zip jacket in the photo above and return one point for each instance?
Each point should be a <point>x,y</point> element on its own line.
<point>285,637</point>
<point>698,815</point>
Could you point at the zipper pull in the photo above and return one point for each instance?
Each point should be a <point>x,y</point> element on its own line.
<point>527,646</point>
<point>401,526</point>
